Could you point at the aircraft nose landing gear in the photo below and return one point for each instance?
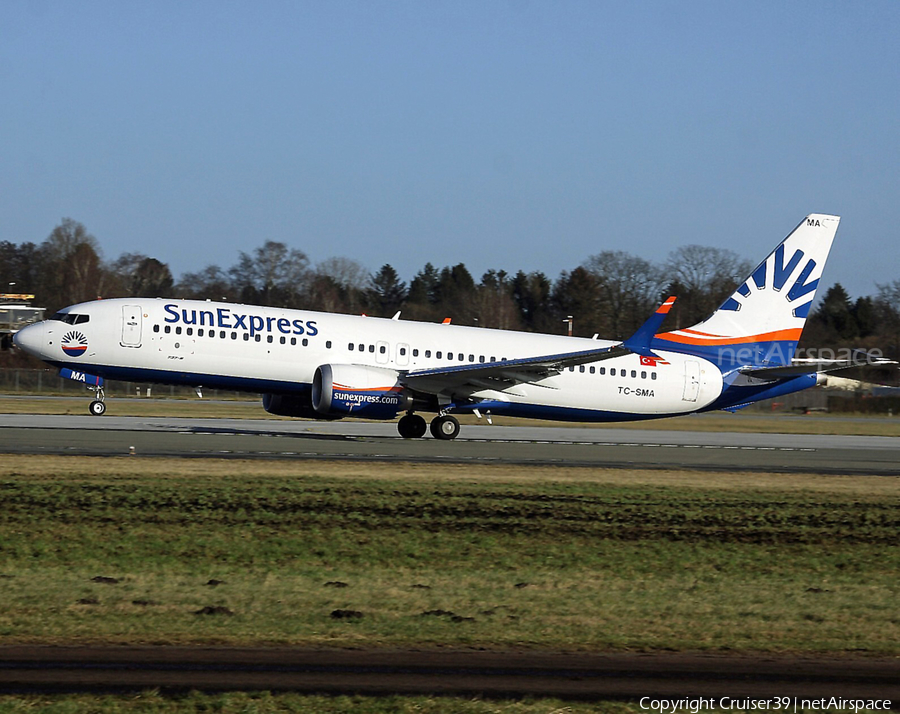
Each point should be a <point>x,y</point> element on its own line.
<point>98,407</point>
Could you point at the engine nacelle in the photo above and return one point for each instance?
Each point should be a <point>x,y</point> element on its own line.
<point>362,392</point>
<point>293,405</point>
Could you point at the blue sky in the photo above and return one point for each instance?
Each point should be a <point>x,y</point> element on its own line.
<point>508,135</point>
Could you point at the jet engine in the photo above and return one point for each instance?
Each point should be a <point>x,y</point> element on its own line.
<point>293,405</point>
<point>341,390</point>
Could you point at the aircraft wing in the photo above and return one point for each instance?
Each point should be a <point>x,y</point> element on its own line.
<point>501,375</point>
<point>797,367</point>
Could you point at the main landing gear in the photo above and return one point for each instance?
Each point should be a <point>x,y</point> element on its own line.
<point>412,426</point>
<point>98,407</point>
<point>443,426</point>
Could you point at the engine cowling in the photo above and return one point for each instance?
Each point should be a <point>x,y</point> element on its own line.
<point>358,391</point>
<point>293,405</point>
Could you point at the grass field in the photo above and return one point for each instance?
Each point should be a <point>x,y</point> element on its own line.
<point>230,552</point>
<point>265,703</point>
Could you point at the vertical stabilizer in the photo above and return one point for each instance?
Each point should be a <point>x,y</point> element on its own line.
<point>762,320</point>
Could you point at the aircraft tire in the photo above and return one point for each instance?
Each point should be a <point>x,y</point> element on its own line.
<point>97,408</point>
<point>412,426</point>
<point>444,427</point>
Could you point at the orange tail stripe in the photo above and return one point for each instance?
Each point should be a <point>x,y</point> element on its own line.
<point>792,335</point>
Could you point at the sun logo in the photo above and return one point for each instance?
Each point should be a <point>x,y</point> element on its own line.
<point>74,344</point>
<point>775,269</point>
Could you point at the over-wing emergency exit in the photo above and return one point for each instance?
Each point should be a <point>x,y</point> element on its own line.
<point>329,366</point>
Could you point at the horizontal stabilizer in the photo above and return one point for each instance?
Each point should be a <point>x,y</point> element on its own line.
<point>859,358</point>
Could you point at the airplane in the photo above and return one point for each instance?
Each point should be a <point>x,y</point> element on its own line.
<point>331,366</point>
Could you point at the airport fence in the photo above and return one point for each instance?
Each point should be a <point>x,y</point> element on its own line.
<point>48,383</point>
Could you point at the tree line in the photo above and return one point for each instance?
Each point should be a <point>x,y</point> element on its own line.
<point>610,293</point>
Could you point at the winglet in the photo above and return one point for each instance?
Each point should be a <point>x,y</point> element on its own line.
<point>639,342</point>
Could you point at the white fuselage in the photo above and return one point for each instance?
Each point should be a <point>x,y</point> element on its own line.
<point>272,350</point>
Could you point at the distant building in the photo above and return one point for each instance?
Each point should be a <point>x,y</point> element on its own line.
<point>16,311</point>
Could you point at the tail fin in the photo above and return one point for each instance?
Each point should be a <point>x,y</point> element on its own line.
<point>762,320</point>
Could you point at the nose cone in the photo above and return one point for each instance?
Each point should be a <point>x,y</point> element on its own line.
<point>32,339</point>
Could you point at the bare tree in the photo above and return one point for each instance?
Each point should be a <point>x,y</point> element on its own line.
<point>273,275</point>
<point>346,272</point>
<point>702,278</point>
<point>628,288</point>
<point>73,271</point>
<point>495,304</point>
<point>211,283</point>
<point>142,276</point>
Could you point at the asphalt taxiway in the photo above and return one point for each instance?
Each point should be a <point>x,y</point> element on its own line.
<point>570,446</point>
<point>585,676</point>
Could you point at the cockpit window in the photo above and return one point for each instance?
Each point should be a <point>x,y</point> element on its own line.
<point>71,318</point>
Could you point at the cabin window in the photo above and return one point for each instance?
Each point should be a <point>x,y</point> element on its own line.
<point>415,352</point>
<point>603,370</point>
<point>293,341</point>
<point>437,355</point>
<point>428,354</point>
<point>328,344</point>
<point>178,330</point>
<point>200,332</point>
<point>382,349</point>
<point>493,359</point>
<point>189,330</point>
<point>222,334</point>
<point>258,338</point>
<point>643,375</point>
<point>653,375</point>
<point>168,329</point>
<point>471,358</point>
<point>282,340</point>
<point>462,357</point>
<point>269,339</point>
<point>612,371</point>
<point>246,337</point>
<point>306,342</point>
<point>634,374</point>
<point>234,335</point>
<point>156,328</point>
<point>372,349</point>
<point>350,347</point>
<point>593,369</point>
<point>481,358</point>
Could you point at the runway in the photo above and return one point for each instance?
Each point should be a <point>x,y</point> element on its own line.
<point>584,676</point>
<point>569,446</point>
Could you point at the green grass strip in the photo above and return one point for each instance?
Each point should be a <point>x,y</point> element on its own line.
<point>129,550</point>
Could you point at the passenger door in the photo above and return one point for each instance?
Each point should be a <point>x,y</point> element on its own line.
<point>132,319</point>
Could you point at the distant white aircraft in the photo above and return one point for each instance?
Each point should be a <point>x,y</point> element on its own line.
<point>329,366</point>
